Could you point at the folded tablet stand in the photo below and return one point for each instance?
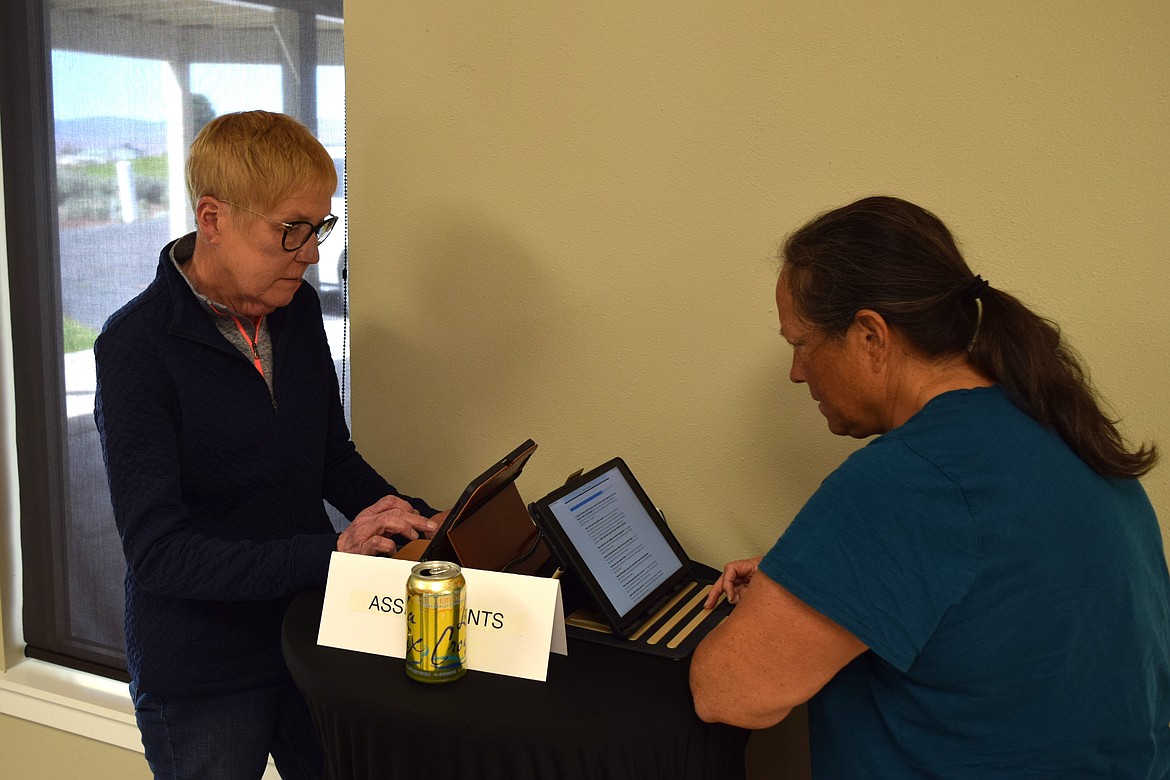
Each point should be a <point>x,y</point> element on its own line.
<point>489,527</point>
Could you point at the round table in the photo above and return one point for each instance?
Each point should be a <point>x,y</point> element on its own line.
<point>603,712</point>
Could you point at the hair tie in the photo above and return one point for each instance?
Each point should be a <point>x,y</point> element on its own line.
<point>976,287</point>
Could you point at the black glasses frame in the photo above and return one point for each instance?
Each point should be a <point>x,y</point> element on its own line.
<point>320,230</point>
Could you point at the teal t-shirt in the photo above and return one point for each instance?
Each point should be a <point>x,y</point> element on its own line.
<point>1015,603</point>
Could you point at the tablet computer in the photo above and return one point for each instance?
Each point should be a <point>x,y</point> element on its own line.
<point>604,527</point>
<point>478,492</point>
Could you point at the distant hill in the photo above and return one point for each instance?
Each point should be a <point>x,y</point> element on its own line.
<point>145,137</point>
<point>111,132</point>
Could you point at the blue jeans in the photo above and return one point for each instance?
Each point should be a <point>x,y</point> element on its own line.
<point>229,736</point>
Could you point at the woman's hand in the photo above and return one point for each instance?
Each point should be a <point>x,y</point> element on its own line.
<point>370,531</point>
<point>735,578</point>
<point>437,523</point>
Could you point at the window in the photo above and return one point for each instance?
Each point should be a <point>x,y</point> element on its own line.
<point>99,103</point>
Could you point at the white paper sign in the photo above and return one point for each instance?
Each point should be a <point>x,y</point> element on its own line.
<point>513,620</point>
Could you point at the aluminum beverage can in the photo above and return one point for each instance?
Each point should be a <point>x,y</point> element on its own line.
<point>436,642</point>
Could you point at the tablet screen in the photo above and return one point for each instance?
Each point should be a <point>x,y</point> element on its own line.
<point>617,539</point>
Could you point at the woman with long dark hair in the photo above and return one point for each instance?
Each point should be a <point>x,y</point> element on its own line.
<point>982,589</point>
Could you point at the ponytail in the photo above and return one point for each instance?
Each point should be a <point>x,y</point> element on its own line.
<point>901,261</point>
<point>1046,378</point>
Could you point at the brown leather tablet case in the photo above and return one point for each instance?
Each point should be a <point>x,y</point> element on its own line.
<point>490,528</point>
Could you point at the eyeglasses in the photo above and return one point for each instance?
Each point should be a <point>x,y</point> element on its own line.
<point>296,234</point>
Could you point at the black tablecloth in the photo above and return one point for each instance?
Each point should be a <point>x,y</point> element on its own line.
<point>603,713</point>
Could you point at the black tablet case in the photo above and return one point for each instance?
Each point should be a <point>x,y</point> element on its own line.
<point>672,628</point>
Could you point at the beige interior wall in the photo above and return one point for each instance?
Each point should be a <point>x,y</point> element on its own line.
<point>564,217</point>
<point>35,752</point>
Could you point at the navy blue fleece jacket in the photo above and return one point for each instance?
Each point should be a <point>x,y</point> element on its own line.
<point>217,487</point>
